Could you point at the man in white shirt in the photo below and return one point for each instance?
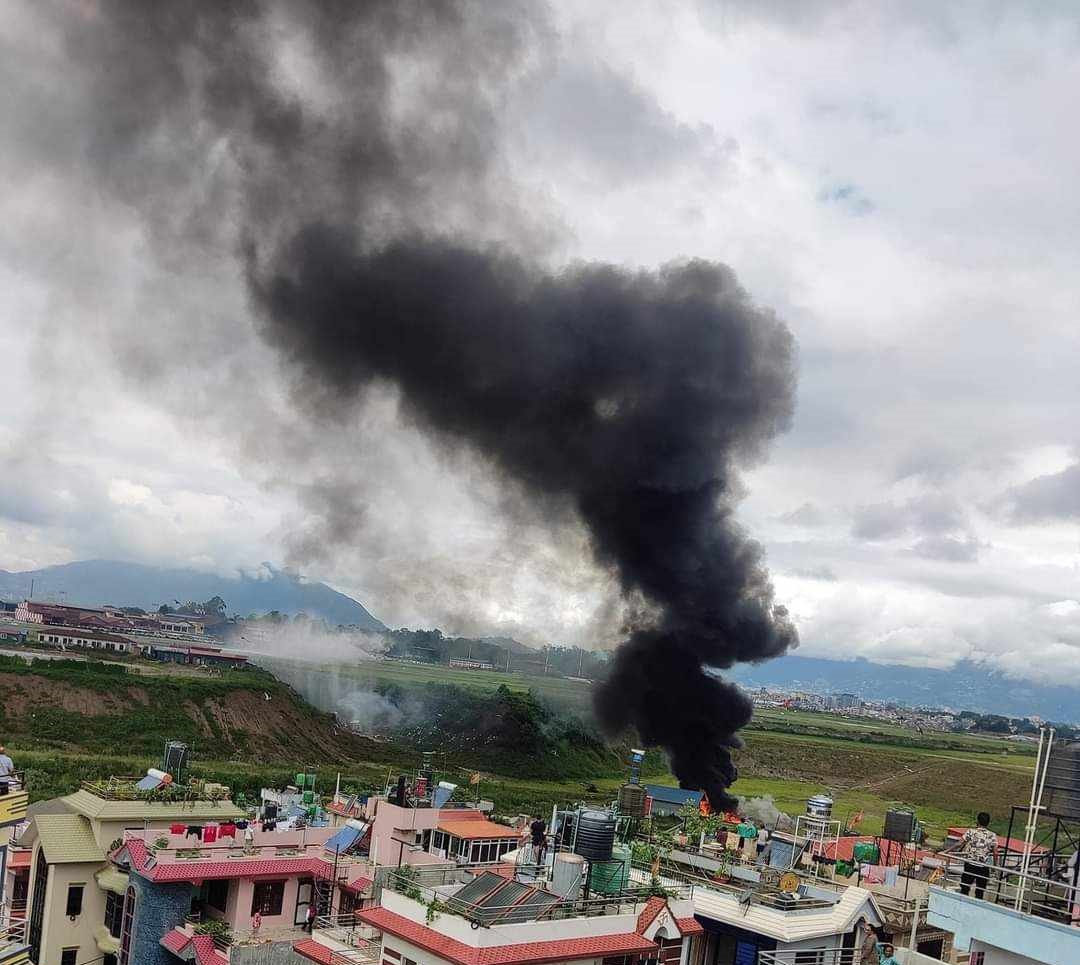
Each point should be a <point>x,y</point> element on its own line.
<point>7,772</point>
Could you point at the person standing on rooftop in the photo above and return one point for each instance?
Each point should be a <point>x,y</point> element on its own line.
<point>979,847</point>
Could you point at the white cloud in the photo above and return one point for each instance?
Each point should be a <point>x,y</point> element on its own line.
<point>895,180</point>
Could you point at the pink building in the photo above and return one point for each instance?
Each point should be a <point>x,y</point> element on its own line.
<point>213,896</point>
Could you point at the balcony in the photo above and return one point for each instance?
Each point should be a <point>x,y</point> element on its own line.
<point>441,885</point>
<point>12,937</point>
<point>14,799</point>
<point>1025,914</point>
<point>347,940</point>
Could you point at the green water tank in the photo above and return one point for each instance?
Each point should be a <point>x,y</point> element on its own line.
<point>611,877</point>
<point>309,797</point>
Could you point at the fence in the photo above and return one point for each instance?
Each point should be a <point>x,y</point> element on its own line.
<point>1047,898</point>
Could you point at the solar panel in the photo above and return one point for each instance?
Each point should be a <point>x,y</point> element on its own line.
<point>475,890</point>
<point>342,841</point>
<point>533,906</point>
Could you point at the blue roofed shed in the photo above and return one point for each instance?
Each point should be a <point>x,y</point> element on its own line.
<point>670,800</point>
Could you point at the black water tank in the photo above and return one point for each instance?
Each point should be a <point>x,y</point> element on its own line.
<point>899,826</point>
<point>632,800</point>
<point>595,835</point>
<point>1062,797</point>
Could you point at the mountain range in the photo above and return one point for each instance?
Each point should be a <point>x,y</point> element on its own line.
<point>96,582</point>
<point>967,686</point>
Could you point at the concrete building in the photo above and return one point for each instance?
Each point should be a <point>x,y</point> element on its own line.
<point>487,919</point>
<point>71,916</point>
<point>1018,919</point>
<point>666,801</point>
<point>255,888</point>
<point>70,638</point>
<point>13,804</point>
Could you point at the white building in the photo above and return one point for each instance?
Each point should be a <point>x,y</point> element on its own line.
<point>500,921</point>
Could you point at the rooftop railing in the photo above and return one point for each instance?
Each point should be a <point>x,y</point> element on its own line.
<point>832,955</point>
<point>1052,899</point>
<point>428,885</point>
<point>737,887</point>
<point>347,930</point>
<point>12,927</point>
<point>124,789</point>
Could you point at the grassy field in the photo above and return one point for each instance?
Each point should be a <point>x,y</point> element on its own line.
<point>574,694</point>
<point>865,765</point>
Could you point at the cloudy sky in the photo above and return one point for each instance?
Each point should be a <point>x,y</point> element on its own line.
<point>895,181</point>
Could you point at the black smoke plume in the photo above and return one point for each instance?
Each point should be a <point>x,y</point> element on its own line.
<point>628,396</point>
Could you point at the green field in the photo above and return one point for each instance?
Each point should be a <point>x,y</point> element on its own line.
<point>574,694</point>
<point>865,765</point>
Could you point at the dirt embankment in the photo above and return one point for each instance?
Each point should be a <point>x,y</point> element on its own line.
<point>25,694</point>
<point>246,723</point>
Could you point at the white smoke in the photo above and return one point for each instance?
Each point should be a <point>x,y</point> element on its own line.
<point>320,664</point>
<point>764,813</point>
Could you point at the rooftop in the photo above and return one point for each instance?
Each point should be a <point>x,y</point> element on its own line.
<point>65,839</point>
<point>475,828</point>
<point>118,800</point>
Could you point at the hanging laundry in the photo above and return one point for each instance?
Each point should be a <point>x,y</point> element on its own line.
<point>209,834</point>
<point>227,830</point>
<point>177,828</point>
<point>193,829</point>
<point>241,825</point>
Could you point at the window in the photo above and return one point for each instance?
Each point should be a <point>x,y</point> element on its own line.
<point>69,956</point>
<point>108,959</point>
<point>37,907</point>
<point>114,913</point>
<point>267,898</point>
<point>74,900</point>
<point>217,893</point>
<point>977,958</point>
<point>124,957</point>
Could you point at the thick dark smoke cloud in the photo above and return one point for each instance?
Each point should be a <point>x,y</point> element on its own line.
<point>351,151</point>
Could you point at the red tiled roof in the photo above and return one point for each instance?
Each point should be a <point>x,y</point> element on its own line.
<point>311,949</point>
<point>205,952</point>
<point>193,869</point>
<point>1013,844</point>
<point>175,940</point>
<point>473,829</point>
<point>533,953</point>
<point>653,907</point>
<point>844,849</point>
<point>357,886</point>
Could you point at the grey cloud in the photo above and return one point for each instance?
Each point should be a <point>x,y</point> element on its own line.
<point>586,110</point>
<point>931,513</point>
<point>825,574</point>
<point>948,549</point>
<point>1055,496</point>
<point>879,521</point>
<point>807,515</point>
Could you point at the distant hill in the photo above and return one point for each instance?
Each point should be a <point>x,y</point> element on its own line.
<point>94,582</point>
<point>968,686</point>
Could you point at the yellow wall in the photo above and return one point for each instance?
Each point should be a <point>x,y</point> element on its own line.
<point>59,931</point>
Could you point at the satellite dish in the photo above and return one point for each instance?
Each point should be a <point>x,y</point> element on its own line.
<point>789,882</point>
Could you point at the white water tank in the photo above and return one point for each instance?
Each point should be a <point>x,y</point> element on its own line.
<point>567,874</point>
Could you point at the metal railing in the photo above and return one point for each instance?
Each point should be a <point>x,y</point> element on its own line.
<point>12,928</point>
<point>12,781</point>
<point>1031,894</point>
<point>675,873</point>
<point>423,885</point>
<point>345,930</point>
<point>833,955</point>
